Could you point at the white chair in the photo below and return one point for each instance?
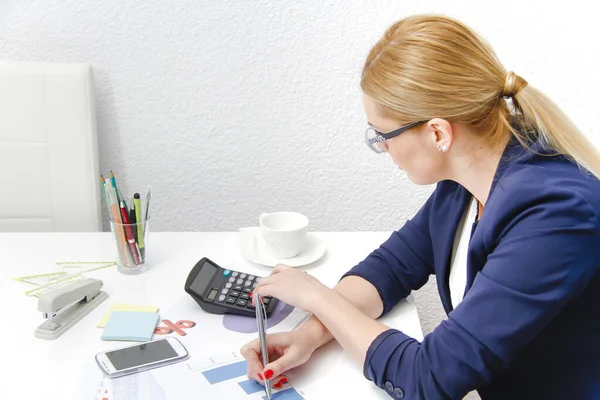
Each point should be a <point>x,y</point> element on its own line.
<point>49,179</point>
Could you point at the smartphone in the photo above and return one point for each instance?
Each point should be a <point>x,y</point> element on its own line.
<point>141,357</point>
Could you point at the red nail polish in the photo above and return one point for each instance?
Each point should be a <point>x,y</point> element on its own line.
<point>260,377</point>
<point>250,294</point>
<point>281,382</point>
<point>269,374</point>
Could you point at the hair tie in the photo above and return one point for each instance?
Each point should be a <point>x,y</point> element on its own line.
<point>513,84</point>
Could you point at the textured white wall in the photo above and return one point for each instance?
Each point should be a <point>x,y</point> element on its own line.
<point>231,108</point>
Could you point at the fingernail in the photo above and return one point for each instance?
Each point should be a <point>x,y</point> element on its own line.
<point>261,378</point>
<point>281,382</point>
<point>250,294</point>
<point>268,374</point>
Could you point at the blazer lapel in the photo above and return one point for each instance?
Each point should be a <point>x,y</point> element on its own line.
<point>446,220</point>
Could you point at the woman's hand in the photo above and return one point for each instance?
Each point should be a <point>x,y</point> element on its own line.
<point>293,287</point>
<point>286,350</point>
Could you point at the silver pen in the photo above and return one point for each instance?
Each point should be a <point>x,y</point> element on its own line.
<point>261,314</point>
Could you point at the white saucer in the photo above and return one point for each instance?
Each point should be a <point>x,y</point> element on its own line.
<point>254,249</point>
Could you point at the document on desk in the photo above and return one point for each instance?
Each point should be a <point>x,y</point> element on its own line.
<point>94,385</point>
<point>205,375</point>
<point>204,332</point>
<point>217,377</point>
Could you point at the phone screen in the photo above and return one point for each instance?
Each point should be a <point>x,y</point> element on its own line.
<point>141,355</point>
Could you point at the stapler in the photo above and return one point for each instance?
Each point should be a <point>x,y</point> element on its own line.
<point>63,307</point>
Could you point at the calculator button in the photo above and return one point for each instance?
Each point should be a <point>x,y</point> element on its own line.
<point>244,296</point>
<point>258,278</point>
<point>222,297</point>
<point>243,276</point>
<point>224,291</point>
<point>228,285</point>
<point>231,300</point>
<point>239,281</point>
<point>266,300</point>
<point>250,277</point>
<point>226,272</point>
<point>232,279</point>
<point>249,304</point>
<point>247,283</point>
<point>254,285</point>
<point>247,290</point>
<point>234,274</point>
<point>241,302</point>
<point>234,293</point>
<point>238,288</point>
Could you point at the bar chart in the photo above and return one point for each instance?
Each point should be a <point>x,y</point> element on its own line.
<point>233,375</point>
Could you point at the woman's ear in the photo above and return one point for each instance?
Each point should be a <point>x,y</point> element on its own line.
<point>441,133</point>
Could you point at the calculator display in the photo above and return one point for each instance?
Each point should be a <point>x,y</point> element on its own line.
<point>203,278</point>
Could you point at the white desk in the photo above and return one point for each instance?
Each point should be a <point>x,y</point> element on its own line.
<point>42,369</point>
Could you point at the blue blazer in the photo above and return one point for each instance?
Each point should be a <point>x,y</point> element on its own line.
<point>529,324</point>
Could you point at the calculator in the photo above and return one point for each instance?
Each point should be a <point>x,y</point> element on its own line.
<point>223,291</point>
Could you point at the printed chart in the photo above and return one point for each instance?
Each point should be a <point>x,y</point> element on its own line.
<point>221,377</point>
<point>94,385</point>
<point>234,375</point>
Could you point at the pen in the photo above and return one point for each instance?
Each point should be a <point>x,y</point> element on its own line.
<point>129,235</point>
<point>137,206</point>
<point>148,197</point>
<point>103,184</point>
<point>133,220</point>
<point>147,214</point>
<point>120,196</point>
<point>114,183</point>
<point>116,219</point>
<point>261,314</point>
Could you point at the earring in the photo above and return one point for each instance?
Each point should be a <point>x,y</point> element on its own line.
<point>444,148</point>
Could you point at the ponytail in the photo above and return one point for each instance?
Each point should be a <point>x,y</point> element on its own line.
<point>554,128</point>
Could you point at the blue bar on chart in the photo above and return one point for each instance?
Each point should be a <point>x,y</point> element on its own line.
<point>288,394</point>
<point>225,372</point>
<point>251,386</point>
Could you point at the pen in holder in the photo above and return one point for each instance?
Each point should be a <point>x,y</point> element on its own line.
<point>261,326</point>
<point>129,227</point>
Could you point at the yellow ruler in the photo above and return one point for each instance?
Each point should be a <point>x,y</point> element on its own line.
<point>52,280</point>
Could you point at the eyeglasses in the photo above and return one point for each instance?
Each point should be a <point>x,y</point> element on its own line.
<point>374,139</point>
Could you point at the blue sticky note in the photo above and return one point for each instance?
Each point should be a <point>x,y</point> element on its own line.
<point>130,325</point>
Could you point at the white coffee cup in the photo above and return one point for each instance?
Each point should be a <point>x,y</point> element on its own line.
<point>284,233</point>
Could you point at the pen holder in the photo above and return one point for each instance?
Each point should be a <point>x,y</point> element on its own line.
<point>131,244</point>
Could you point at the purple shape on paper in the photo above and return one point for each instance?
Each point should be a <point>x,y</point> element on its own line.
<point>241,324</point>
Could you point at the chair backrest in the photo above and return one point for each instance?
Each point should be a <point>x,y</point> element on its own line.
<point>49,179</point>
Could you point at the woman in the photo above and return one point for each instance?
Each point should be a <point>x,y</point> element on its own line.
<point>511,233</point>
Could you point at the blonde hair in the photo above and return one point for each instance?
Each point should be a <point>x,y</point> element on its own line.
<point>433,66</point>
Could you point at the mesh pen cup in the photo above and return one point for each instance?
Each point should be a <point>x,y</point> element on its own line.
<point>130,241</point>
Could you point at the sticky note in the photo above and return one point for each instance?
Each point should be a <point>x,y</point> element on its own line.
<point>125,307</point>
<point>130,325</point>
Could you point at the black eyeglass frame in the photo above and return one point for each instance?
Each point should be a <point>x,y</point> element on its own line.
<point>382,137</point>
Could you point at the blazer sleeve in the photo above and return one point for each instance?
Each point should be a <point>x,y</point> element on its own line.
<point>402,263</point>
<point>544,251</point>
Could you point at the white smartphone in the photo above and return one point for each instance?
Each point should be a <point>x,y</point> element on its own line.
<point>141,357</point>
